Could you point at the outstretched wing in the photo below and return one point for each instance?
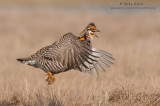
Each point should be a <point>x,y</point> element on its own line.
<point>71,53</point>
<point>102,60</point>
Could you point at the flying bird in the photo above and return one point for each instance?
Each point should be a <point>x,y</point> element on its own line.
<point>70,52</point>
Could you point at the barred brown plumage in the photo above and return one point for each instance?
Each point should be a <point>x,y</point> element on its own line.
<point>71,52</point>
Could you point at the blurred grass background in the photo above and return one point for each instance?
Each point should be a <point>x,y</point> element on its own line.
<point>132,37</point>
<point>71,2</point>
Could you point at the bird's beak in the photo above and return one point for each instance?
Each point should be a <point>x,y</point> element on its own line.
<point>96,35</point>
<point>97,30</point>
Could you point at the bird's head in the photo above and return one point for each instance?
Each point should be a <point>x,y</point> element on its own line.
<point>90,31</point>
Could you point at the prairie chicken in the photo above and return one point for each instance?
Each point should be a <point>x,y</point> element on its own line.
<point>70,52</point>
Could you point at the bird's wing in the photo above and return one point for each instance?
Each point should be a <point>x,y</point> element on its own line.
<point>73,53</point>
<point>39,53</point>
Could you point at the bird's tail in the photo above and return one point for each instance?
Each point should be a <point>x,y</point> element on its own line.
<point>27,61</point>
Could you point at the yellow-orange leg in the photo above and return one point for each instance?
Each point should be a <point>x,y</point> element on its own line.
<point>51,78</point>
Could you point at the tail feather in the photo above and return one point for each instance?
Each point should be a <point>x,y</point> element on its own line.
<point>27,61</point>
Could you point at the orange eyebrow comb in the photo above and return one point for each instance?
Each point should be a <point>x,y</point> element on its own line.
<point>93,28</point>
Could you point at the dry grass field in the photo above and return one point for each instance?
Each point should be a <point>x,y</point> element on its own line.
<point>133,39</point>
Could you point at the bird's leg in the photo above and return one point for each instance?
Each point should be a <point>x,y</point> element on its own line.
<point>51,78</point>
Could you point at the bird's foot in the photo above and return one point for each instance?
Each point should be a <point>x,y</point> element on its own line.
<point>51,78</point>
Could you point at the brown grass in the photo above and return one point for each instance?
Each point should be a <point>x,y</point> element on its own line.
<point>133,39</point>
